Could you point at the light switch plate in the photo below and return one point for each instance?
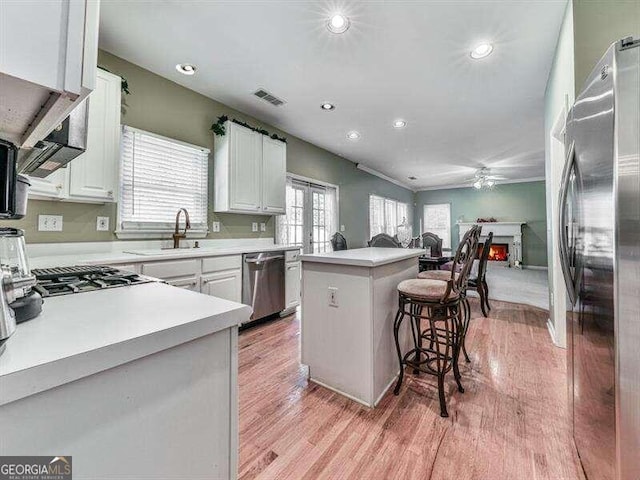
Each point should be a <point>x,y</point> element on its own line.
<point>102,224</point>
<point>342,228</point>
<point>215,227</point>
<point>49,223</point>
<point>263,227</point>
<point>254,227</point>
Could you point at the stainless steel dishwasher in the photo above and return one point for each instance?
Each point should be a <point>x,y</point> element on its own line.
<point>263,283</point>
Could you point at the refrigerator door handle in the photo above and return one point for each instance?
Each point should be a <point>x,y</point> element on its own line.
<point>564,254</point>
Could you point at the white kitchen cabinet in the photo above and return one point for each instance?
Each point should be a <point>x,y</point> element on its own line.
<point>52,187</point>
<point>274,175</point>
<point>227,285</point>
<point>249,172</point>
<point>292,286</point>
<point>93,176</point>
<point>48,56</point>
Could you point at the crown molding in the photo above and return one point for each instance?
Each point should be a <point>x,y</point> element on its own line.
<point>376,173</point>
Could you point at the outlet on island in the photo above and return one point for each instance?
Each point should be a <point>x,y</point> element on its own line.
<point>333,296</point>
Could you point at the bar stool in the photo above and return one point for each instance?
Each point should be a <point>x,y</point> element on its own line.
<point>437,303</point>
<point>461,277</point>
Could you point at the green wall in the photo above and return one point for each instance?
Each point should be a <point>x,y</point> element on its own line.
<point>161,106</point>
<point>509,202</point>
<point>597,24</point>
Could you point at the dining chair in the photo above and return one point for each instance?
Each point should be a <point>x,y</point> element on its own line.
<point>338,242</point>
<point>385,241</point>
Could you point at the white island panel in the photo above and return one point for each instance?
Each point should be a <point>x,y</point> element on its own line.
<point>349,347</point>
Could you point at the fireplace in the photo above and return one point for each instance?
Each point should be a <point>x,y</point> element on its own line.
<point>498,252</point>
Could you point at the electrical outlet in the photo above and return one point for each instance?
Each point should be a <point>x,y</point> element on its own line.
<point>333,297</point>
<point>342,229</point>
<point>263,227</point>
<point>49,223</point>
<point>254,227</point>
<point>216,227</point>
<point>102,224</point>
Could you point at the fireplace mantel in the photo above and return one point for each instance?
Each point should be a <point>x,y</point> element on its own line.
<point>511,231</point>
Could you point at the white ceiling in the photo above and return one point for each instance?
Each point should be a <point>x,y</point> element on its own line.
<point>401,59</point>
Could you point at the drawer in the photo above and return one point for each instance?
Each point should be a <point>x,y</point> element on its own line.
<point>219,264</point>
<point>291,255</point>
<point>179,268</point>
<point>129,267</point>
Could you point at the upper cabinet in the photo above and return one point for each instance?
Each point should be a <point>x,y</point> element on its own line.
<point>250,172</point>
<point>48,57</point>
<point>93,176</point>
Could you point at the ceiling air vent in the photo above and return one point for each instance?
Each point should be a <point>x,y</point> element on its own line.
<point>268,97</point>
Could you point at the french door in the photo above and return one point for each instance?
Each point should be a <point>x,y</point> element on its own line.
<point>311,216</point>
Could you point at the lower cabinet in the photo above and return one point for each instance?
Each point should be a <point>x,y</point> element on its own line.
<point>292,285</point>
<point>227,285</point>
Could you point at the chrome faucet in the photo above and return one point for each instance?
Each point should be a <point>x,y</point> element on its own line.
<point>187,225</point>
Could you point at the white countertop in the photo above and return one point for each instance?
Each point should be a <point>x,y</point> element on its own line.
<point>364,257</point>
<point>146,255</point>
<point>82,334</point>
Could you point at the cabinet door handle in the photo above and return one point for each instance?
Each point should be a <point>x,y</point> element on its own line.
<point>110,193</point>
<point>59,186</point>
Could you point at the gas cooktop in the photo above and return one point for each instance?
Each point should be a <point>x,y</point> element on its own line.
<point>66,280</point>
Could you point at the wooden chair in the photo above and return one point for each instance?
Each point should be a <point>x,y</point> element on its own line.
<point>414,243</point>
<point>434,241</point>
<point>437,304</point>
<point>479,282</point>
<point>338,242</point>
<point>385,241</point>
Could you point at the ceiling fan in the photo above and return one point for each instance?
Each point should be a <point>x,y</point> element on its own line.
<point>484,179</point>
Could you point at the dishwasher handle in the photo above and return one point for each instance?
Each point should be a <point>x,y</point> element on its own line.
<point>263,260</point>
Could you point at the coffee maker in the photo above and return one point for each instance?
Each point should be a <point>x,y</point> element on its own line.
<point>18,302</point>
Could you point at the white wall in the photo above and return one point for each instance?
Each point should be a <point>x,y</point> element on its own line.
<point>559,97</point>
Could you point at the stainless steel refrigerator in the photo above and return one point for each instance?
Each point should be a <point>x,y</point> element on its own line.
<point>600,256</point>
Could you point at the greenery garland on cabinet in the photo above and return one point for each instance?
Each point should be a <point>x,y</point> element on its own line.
<point>220,131</point>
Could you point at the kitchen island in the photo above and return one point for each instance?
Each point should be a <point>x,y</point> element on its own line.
<point>349,302</point>
<point>133,382</point>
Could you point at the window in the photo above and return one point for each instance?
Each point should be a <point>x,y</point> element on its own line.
<point>437,219</point>
<point>385,215</point>
<point>159,176</point>
<point>312,215</point>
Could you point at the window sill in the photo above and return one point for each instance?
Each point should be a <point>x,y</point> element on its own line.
<point>156,234</point>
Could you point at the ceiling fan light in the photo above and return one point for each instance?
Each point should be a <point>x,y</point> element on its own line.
<point>477,184</point>
<point>490,183</point>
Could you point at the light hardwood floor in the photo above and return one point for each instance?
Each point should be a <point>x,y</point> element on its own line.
<point>511,423</point>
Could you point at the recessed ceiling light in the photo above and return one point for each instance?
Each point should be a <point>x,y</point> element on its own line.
<point>186,68</point>
<point>481,51</point>
<point>338,23</point>
<point>353,135</point>
<point>327,106</point>
<point>399,124</point>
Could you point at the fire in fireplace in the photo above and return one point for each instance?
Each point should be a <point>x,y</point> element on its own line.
<point>498,252</point>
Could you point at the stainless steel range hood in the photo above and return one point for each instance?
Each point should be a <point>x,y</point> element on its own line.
<point>62,145</point>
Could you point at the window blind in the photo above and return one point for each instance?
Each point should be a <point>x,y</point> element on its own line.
<point>386,214</point>
<point>437,219</point>
<point>159,176</point>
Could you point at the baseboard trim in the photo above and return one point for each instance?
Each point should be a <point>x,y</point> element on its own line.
<point>535,267</point>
